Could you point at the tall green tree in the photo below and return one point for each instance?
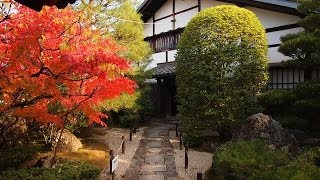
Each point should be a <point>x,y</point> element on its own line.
<point>221,64</point>
<point>119,20</point>
<point>304,47</point>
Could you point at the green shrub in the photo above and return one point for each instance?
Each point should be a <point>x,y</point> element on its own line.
<point>144,103</point>
<point>278,101</point>
<point>305,166</point>
<point>221,65</point>
<point>192,140</point>
<point>298,108</point>
<point>14,157</point>
<point>128,118</point>
<point>245,159</point>
<point>254,160</point>
<point>65,171</point>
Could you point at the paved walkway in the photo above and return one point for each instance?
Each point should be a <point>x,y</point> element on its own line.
<point>154,158</point>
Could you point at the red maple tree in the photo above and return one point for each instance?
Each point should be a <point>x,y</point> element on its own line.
<point>56,56</point>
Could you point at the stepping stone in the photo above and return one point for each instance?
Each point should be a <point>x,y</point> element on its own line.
<point>154,139</point>
<point>154,158</point>
<point>154,134</point>
<point>150,169</point>
<point>154,150</point>
<point>172,178</point>
<point>154,144</point>
<point>151,177</point>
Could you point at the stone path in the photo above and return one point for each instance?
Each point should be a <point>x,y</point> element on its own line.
<point>154,158</point>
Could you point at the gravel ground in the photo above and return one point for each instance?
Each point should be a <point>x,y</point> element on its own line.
<point>198,161</point>
<point>113,139</point>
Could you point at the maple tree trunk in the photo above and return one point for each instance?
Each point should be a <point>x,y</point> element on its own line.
<point>56,148</point>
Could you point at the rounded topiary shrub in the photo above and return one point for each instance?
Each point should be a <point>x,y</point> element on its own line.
<point>221,65</point>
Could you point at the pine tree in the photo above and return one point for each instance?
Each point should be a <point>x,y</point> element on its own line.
<point>304,47</point>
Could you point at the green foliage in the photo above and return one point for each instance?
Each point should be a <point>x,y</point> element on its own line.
<point>277,102</point>
<point>127,119</point>
<point>298,108</point>
<point>254,160</point>
<point>144,103</point>
<point>64,171</point>
<point>124,101</point>
<point>304,47</point>
<point>127,115</point>
<point>119,20</point>
<point>129,33</point>
<point>192,140</point>
<point>221,65</point>
<point>14,157</point>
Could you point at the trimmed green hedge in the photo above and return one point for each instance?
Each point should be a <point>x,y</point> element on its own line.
<point>14,157</point>
<point>254,160</point>
<point>221,65</point>
<point>64,171</point>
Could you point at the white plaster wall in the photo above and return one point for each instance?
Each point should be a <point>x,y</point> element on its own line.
<point>275,56</point>
<point>157,58</point>
<point>185,4</point>
<point>274,37</point>
<point>165,9</point>
<point>163,25</point>
<point>171,55</point>
<point>271,19</point>
<point>182,19</point>
<point>148,28</point>
<point>211,3</point>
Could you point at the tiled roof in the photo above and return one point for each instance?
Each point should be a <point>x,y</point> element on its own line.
<point>165,69</point>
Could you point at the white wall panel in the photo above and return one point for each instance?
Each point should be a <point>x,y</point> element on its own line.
<point>275,56</point>
<point>165,10</point>
<point>183,18</point>
<point>163,25</point>
<point>185,4</point>
<point>271,19</point>
<point>148,28</point>
<point>210,3</point>
<point>274,37</point>
<point>171,55</point>
<point>157,58</point>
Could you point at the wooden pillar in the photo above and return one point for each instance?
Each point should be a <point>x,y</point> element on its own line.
<point>167,97</point>
<point>158,96</point>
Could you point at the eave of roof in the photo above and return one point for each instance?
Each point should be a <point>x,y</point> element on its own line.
<point>149,7</point>
<point>166,69</point>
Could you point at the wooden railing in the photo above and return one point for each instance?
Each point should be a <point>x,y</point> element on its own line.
<point>165,41</point>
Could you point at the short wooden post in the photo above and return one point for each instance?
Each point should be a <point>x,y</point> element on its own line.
<point>134,130</point>
<point>177,130</point>
<point>123,146</point>
<point>111,157</point>
<point>181,141</point>
<point>186,159</point>
<point>130,134</point>
<point>199,176</point>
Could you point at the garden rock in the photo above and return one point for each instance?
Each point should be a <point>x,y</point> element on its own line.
<point>68,143</point>
<point>260,126</point>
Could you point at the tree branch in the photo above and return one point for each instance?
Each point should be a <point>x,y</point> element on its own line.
<point>32,101</point>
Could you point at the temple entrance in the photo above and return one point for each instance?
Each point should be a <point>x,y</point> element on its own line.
<point>166,101</point>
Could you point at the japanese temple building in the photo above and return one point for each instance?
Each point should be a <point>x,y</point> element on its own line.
<point>165,21</point>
